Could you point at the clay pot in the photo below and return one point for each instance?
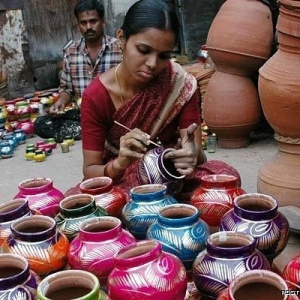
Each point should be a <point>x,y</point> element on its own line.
<point>291,273</point>
<point>257,284</point>
<point>41,195</point>
<point>70,284</point>
<point>17,281</point>
<point>257,215</point>
<point>98,240</point>
<point>111,198</point>
<point>231,108</point>
<point>11,211</point>
<point>278,86</point>
<point>236,43</point>
<point>180,231</point>
<point>143,271</point>
<point>37,239</point>
<point>143,206</point>
<point>74,210</point>
<point>227,255</point>
<point>153,168</point>
<point>215,197</point>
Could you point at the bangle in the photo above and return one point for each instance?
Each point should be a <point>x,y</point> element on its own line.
<point>105,171</point>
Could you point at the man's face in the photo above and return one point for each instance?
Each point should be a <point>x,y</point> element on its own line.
<point>90,25</point>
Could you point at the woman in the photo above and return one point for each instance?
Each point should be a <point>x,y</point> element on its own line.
<point>150,94</point>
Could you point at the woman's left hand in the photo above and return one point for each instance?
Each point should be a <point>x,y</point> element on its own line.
<point>185,159</point>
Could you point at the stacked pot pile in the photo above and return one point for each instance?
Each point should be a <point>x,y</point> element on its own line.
<point>102,243</point>
<point>239,41</point>
<point>279,87</point>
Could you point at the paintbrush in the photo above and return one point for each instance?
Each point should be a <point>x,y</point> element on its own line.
<point>151,142</point>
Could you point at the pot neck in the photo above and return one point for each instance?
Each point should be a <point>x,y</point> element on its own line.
<point>35,186</point>
<point>71,209</point>
<point>148,192</point>
<point>137,254</point>
<point>13,210</point>
<point>100,229</point>
<point>230,245</point>
<point>221,182</point>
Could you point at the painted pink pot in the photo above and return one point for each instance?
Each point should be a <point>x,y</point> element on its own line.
<point>257,214</point>
<point>143,271</point>
<point>111,198</point>
<point>98,240</point>
<point>41,195</point>
<point>11,211</point>
<point>257,284</point>
<point>215,197</point>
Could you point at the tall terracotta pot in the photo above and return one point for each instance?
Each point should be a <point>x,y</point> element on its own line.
<point>231,108</point>
<point>240,37</point>
<point>279,87</point>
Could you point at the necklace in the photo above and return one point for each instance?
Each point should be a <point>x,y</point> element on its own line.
<point>118,83</point>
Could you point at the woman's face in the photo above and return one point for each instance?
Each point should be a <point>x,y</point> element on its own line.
<point>147,53</point>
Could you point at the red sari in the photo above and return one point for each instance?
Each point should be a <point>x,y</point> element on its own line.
<point>168,104</point>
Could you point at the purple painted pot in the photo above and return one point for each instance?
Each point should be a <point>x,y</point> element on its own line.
<point>98,240</point>
<point>11,211</point>
<point>41,195</point>
<point>143,271</point>
<point>17,281</point>
<point>257,215</point>
<point>227,255</point>
<point>155,169</point>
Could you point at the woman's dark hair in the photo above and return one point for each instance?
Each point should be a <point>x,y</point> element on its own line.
<point>85,5</point>
<point>150,13</point>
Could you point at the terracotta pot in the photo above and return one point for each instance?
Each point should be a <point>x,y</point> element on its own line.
<point>227,255</point>
<point>41,195</point>
<point>143,271</point>
<point>37,239</point>
<point>70,284</point>
<point>215,197</point>
<point>111,198</point>
<point>236,43</point>
<point>180,231</point>
<point>231,108</point>
<point>143,206</point>
<point>17,281</point>
<point>257,215</point>
<point>98,240</point>
<point>257,284</point>
<point>278,86</point>
<point>74,210</point>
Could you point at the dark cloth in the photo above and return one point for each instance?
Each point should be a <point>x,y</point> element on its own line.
<point>58,127</point>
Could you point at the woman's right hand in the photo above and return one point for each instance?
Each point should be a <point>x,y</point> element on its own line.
<point>133,145</point>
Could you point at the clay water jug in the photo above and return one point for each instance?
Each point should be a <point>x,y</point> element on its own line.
<point>17,281</point>
<point>227,255</point>
<point>143,271</point>
<point>257,215</point>
<point>279,86</point>
<point>37,239</point>
<point>258,284</point>
<point>231,108</point>
<point>98,240</point>
<point>41,194</point>
<point>239,44</point>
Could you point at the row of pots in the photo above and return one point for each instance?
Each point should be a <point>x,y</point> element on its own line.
<point>191,246</point>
